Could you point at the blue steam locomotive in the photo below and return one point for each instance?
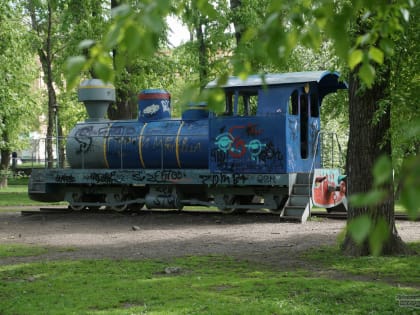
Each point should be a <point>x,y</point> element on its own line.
<point>257,153</point>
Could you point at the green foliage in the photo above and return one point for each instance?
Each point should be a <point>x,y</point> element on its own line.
<point>364,228</point>
<point>382,171</point>
<point>410,185</point>
<point>397,38</point>
<point>306,23</point>
<point>382,174</point>
<point>359,228</point>
<point>202,285</point>
<point>135,33</point>
<point>18,71</point>
<point>378,236</point>
<point>370,198</point>
<point>405,110</point>
<point>82,24</point>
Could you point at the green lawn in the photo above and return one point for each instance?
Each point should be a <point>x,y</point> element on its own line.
<point>207,285</point>
<point>16,194</point>
<point>328,283</point>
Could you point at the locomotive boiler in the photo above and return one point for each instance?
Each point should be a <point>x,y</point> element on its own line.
<point>258,153</point>
<point>152,141</point>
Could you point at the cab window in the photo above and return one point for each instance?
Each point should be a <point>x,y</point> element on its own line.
<point>314,105</point>
<point>241,103</point>
<point>293,106</point>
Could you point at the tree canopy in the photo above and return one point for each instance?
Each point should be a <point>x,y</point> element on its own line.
<point>19,73</point>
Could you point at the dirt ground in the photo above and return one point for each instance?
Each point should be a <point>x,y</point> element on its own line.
<point>259,238</point>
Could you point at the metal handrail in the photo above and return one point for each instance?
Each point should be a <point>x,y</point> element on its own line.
<point>318,140</point>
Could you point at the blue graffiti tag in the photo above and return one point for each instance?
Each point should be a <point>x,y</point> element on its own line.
<point>255,147</point>
<point>224,141</point>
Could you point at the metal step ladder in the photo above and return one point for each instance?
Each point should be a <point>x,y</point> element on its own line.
<point>297,208</point>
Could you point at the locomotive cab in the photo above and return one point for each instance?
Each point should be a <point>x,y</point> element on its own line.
<point>270,123</point>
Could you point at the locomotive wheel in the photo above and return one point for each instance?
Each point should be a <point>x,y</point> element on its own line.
<point>77,197</point>
<point>94,208</point>
<point>233,210</point>
<point>117,198</point>
<point>224,203</point>
<point>120,208</point>
<point>77,208</point>
<point>136,206</point>
<point>227,210</point>
<point>281,204</point>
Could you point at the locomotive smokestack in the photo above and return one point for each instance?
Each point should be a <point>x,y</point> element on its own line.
<point>96,95</point>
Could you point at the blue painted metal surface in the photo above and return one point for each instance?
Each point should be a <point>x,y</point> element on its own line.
<point>154,104</point>
<point>277,139</point>
<point>196,112</point>
<point>248,144</point>
<point>157,144</point>
<point>122,145</point>
<point>193,144</point>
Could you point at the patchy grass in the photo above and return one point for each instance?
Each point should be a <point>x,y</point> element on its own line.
<point>14,189</point>
<point>20,250</point>
<point>402,269</point>
<point>23,181</point>
<point>197,285</point>
<point>16,195</point>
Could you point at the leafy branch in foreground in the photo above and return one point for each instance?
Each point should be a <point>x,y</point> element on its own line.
<point>134,32</point>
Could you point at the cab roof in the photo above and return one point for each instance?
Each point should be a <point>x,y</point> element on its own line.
<point>328,81</point>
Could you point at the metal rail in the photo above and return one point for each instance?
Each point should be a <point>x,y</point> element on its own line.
<point>317,214</point>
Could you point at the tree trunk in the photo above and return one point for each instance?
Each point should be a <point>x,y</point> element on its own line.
<point>4,166</point>
<point>368,140</point>
<point>46,58</point>
<point>202,52</point>
<point>122,109</point>
<point>235,5</point>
